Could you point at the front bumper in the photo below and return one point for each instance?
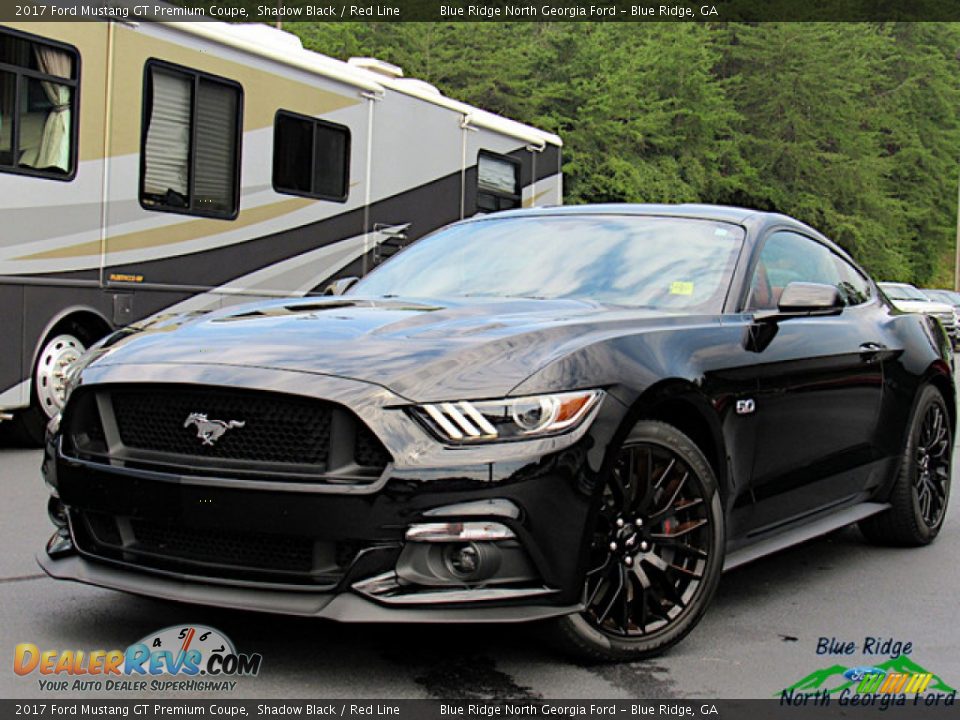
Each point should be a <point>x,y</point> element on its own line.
<point>342,607</point>
<point>341,552</point>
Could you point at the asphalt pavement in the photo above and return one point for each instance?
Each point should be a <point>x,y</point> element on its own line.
<point>760,635</point>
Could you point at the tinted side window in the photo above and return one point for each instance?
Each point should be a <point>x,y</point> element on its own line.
<point>854,288</point>
<point>498,183</point>
<point>310,157</point>
<point>38,107</point>
<point>191,143</point>
<point>787,257</point>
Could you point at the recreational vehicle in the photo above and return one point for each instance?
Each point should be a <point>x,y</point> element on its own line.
<point>152,166</point>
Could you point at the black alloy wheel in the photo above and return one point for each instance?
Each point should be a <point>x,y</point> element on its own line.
<point>932,473</point>
<point>656,550</point>
<point>921,491</point>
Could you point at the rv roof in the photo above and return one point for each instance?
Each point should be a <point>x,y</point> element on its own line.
<point>286,48</point>
<point>473,115</point>
<point>266,35</point>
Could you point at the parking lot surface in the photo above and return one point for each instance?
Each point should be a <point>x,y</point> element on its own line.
<point>759,636</point>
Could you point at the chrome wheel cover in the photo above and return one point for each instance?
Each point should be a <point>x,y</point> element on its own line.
<point>54,359</point>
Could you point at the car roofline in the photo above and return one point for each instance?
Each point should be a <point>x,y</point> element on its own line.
<point>718,213</point>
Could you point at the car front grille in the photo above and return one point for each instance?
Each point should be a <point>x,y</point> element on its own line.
<point>254,550</point>
<point>206,429</point>
<point>948,319</point>
<point>266,428</point>
<point>209,551</point>
<point>368,450</point>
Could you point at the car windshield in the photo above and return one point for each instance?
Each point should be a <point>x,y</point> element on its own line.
<point>903,292</point>
<point>672,264</point>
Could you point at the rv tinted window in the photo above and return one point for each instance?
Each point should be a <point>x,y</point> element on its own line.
<point>498,183</point>
<point>191,142</point>
<point>38,102</point>
<point>310,157</point>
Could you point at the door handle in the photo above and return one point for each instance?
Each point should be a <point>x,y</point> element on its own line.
<point>870,350</point>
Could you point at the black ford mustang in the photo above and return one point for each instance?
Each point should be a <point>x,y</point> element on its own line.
<point>579,414</point>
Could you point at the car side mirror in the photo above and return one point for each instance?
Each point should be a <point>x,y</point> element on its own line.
<point>803,299</point>
<point>799,299</point>
<point>339,287</point>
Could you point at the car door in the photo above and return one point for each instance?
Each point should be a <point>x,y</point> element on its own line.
<point>820,384</point>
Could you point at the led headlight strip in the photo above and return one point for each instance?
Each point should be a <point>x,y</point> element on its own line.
<point>475,421</point>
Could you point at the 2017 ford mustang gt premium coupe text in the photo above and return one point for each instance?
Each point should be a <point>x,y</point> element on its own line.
<point>576,415</point>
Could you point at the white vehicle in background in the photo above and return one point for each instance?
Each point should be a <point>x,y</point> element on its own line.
<point>950,297</point>
<point>184,166</point>
<point>908,298</point>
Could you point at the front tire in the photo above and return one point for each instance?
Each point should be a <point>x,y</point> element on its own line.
<point>918,500</point>
<point>656,550</point>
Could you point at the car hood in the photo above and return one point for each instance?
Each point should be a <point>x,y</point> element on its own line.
<point>921,306</point>
<point>422,350</point>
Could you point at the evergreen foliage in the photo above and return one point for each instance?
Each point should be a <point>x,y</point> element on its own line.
<point>851,127</point>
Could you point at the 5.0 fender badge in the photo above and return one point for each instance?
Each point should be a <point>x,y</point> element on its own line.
<point>209,431</point>
<point>746,407</point>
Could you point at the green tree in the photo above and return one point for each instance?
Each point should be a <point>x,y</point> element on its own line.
<point>918,117</point>
<point>851,127</point>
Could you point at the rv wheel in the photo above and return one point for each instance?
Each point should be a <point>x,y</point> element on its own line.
<point>58,351</point>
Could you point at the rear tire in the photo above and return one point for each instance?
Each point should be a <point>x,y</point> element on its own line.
<point>64,345</point>
<point>918,500</point>
<point>656,552</point>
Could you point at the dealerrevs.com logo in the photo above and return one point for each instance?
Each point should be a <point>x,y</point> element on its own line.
<point>177,658</point>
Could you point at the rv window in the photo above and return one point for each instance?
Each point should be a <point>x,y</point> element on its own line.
<point>38,89</point>
<point>498,182</point>
<point>191,143</point>
<point>310,157</point>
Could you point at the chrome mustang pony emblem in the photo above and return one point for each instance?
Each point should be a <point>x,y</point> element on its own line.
<point>211,430</point>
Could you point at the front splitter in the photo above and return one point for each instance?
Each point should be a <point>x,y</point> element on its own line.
<point>342,607</point>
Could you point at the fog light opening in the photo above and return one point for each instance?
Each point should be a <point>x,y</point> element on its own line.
<point>471,562</point>
<point>463,560</point>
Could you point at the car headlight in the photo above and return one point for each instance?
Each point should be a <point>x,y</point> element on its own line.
<point>520,418</point>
